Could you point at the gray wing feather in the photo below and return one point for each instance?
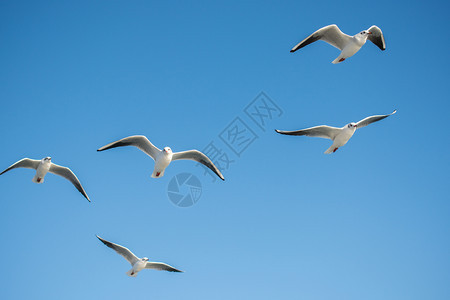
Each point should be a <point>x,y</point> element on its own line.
<point>199,157</point>
<point>69,175</point>
<point>139,141</point>
<point>125,252</point>
<point>23,163</point>
<point>161,267</point>
<point>323,131</point>
<point>377,37</point>
<point>372,119</point>
<point>330,34</point>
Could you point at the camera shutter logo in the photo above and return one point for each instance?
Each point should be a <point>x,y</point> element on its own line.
<point>184,190</point>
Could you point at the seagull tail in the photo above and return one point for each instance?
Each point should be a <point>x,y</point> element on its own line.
<point>157,174</point>
<point>132,273</point>
<point>330,150</point>
<point>338,59</point>
<point>37,179</point>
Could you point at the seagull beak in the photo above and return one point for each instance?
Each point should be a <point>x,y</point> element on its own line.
<point>369,32</point>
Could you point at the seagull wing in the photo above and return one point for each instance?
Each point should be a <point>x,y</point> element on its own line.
<point>371,119</point>
<point>127,254</point>
<point>330,34</point>
<point>161,267</point>
<point>69,175</point>
<point>323,131</point>
<point>24,163</point>
<point>377,37</point>
<point>138,141</point>
<point>199,157</point>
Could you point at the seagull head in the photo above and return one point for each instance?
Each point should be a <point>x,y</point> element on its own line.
<point>352,125</point>
<point>144,259</point>
<point>167,150</point>
<point>48,158</point>
<point>363,34</point>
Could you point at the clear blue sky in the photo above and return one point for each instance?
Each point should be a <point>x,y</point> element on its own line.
<point>368,222</point>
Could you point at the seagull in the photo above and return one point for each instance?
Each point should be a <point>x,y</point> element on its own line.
<point>138,263</point>
<point>348,45</point>
<point>339,136</point>
<point>44,166</point>
<point>163,157</point>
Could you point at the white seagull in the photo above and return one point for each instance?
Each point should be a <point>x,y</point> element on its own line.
<point>138,264</point>
<point>163,157</point>
<point>348,45</point>
<point>339,136</point>
<point>44,166</point>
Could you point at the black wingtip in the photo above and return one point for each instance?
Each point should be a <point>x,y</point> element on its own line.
<point>100,239</point>
<point>292,51</point>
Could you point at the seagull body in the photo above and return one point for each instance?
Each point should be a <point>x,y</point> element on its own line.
<point>138,264</point>
<point>348,45</point>
<point>339,136</point>
<point>342,137</point>
<point>163,157</point>
<point>137,267</point>
<point>42,170</point>
<point>44,166</point>
<point>162,161</point>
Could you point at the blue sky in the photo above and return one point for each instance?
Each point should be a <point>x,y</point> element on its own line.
<point>368,222</point>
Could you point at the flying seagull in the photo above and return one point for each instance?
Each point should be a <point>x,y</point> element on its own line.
<point>163,157</point>
<point>348,45</point>
<point>339,136</point>
<point>44,166</point>
<point>138,264</point>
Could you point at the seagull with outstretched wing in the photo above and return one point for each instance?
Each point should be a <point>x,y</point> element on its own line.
<point>163,157</point>
<point>348,45</point>
<point>339,136</point>
<point>138,264</point>
<point>44,166</point>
